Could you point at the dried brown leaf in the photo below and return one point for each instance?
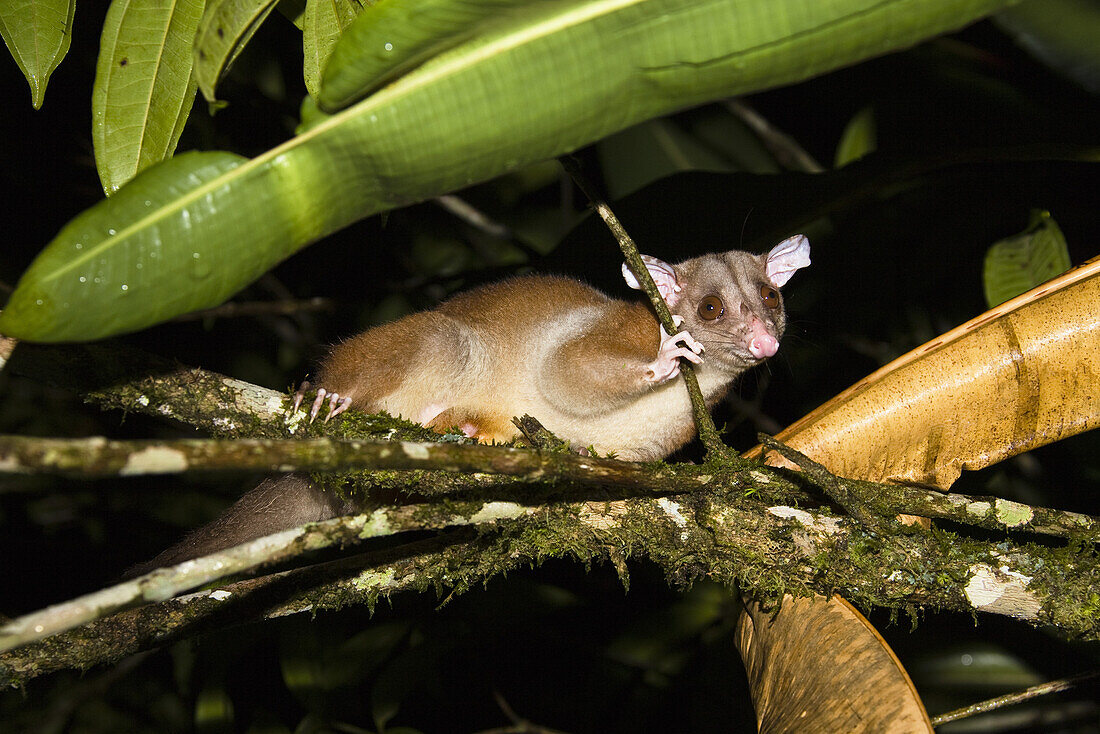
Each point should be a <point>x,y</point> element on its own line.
<point>817,665</point>
<point>1023,374</point>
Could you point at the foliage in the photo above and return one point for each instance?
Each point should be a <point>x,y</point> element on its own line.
<point>421,99</point>
<point>900,236</point>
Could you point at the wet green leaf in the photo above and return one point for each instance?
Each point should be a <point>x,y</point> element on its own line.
<point>394,37</point>
<point>322,23</point>
<point>144,89</point>
<point>531,85</point>
<point>225,29</point>
<point>37,33</point>
<point>114,255</point>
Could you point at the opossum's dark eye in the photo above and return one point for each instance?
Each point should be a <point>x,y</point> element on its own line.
<point>711,308</point>
<point>770,296</point>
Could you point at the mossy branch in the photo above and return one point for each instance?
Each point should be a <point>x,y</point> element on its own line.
<point>731,525</point>
<point>720,535</point>
<point>479,465</point>
<point>99,457</point>
<point>113,376</point>
<point>165,583</point>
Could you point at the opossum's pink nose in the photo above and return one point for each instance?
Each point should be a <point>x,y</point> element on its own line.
<point>764,346</point>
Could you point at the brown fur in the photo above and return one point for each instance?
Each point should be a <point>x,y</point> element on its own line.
<point>579,361</point>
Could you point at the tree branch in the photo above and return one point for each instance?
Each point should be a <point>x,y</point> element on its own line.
<point>112,375</point>
<point>164,583</point>
<point>725,524</point>
<point>98,457</point>
<point>867,501</point>
<point>704,425</point>
<point>721,535</point>
<point>1011,699</point>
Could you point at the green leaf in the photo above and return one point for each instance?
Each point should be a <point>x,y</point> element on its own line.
<point>395,37</point>
<point>557,75</point>
<point>1019,263</point>
<point>322,24</point>
<point>225,29</point>
<point>1062,34</point>
<point>111,258</point>
<point>144,89</point>
<point>293,10</point>
<point>37,33</point>
<point>859,138</point>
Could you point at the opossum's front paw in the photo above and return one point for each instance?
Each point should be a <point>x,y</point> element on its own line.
<point>336,403</point>
<point>667,364</point>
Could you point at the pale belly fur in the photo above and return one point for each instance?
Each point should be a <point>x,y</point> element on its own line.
<point>645,428</point>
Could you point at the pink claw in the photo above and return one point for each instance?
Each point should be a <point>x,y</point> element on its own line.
<point>317,403</point>
<point>299,396</point>
<point>667,364</point>
<point>336,403</point>
<point>336,406</point>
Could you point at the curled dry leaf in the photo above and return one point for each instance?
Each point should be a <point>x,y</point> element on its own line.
<point>1021,375</point>
<point>818,665</point>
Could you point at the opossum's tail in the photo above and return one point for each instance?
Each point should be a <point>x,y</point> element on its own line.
<point>277,503</point>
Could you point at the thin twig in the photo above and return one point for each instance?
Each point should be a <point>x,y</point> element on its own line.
<point>473,217</point>
<point>708,434</point>
<point>1043,689</point>
<point>786,149</point>
<point>829,482</point>
<point>164,583</point>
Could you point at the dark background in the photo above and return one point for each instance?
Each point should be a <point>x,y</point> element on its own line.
<point>898,243</point>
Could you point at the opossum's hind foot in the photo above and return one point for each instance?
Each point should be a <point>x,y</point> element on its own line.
<point>337,403</point>
<point>484,426</point>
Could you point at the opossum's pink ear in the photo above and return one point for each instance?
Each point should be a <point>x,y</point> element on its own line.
<point>788,256</point>
<point>663,275</point>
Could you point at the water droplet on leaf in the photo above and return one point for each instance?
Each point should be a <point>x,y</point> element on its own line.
<point>199,267</point>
